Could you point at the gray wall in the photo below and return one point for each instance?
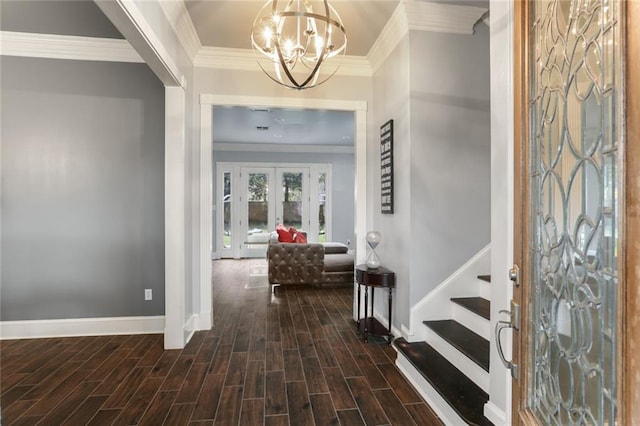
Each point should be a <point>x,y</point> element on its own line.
<point>343,179</point>
<point>435,86</point>
<point>391,101</point>
<point>70,17</point>
<point>82,189</point>
<point>451,153</point>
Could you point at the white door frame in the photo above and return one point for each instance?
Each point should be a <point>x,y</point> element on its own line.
<point>203,298</point>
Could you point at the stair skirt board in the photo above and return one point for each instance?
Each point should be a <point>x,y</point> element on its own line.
<point>463,282</point>
<point>447,414</point>
<point>495,415</point>
<point>472,370</point>
<point>473,322</point>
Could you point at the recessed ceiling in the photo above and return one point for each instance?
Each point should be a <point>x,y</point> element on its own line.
<point>282,126</point>
<point>224,23</point>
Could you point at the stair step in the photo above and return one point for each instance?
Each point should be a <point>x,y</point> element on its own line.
<point>477,305</point>
<point>475,347</point>
<point>486,278</point>
<point>464,396</point>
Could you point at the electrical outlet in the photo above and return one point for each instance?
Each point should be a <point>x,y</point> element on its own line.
<point>148,295</point>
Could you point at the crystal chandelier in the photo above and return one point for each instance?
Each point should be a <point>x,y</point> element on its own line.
<point>294,40</point>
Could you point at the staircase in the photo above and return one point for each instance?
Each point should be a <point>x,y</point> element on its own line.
<point>451,366</point>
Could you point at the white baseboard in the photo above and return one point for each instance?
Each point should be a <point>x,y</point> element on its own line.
<point>204,320</point>
<point>81,327</point>
<point>495,414</point>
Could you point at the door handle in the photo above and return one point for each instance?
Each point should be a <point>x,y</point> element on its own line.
<point>501,325</point>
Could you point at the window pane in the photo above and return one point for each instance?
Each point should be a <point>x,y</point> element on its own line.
<point>258,207</point>
<point>292,199</point>
<point>322,204</point>
<point>226,201</point>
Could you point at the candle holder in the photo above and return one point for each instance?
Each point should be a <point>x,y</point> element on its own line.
<point>373,239</point>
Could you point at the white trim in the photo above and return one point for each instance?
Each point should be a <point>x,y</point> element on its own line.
<point>133,25</point>
<point>283,102</point>
<point>442,409</point>
<point>174,207</point>
<point>396,28</point>
<point>422,16</point>
<point>245,60</point>
<point>258,147</point>
<point>178,16</point>
<point>207,102</point>
<point>35,329</point>
<point>441,17</point>
<point>153,42</point>
<point>494,414</point>
<point>462,283</point>
<point>407,333</point>
<point>67,47</point>
<point>190,326</point>
<point>205,239</point>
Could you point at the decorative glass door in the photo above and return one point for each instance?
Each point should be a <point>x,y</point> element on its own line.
<point>568,216</point>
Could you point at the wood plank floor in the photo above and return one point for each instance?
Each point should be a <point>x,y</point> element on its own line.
<point>289,358</point>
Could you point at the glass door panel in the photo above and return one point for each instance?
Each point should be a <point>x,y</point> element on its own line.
<point>573,150</point>
<point>226,218</point>
<point>293,198</point>
<point>322,207</point>
<point>259,211</point>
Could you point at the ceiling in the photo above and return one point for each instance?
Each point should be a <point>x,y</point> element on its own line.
<point>227,24</point>
<point>224,23</point>
<point>283,126</point>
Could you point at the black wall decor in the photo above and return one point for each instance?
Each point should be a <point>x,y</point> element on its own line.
<point>386,166</point>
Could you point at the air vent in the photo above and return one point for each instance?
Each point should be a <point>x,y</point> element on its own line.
<point>258,109</point>
<point>262,127</point>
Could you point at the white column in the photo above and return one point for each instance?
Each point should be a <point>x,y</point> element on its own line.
<point>174,207</point>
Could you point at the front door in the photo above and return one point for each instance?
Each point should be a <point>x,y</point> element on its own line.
<point>576,232</point>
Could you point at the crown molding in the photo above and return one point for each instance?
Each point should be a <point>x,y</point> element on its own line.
<point>267,147</point>
<point>245,60</point>
<point>422,16</point>
<point>178,16</point>
<point>396,28</point>
<point>441,17</point>
<point>67,47</point>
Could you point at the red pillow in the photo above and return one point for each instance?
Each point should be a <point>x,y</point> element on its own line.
<point>301,238</point>
<point>284,236</point>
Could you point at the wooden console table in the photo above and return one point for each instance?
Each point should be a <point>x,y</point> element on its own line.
<point>375,278</point>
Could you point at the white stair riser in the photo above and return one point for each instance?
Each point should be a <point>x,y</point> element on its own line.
<point>457,358</point>
<point>472,321</point>
<point>448,416</point>
<point>484,289</point>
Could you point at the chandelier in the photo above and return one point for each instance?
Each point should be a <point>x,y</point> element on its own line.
<point>294,39</point>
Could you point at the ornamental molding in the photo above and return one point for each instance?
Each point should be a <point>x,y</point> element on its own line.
<point>67,47</point>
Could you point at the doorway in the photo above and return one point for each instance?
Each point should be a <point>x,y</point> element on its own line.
<point>202,297</point>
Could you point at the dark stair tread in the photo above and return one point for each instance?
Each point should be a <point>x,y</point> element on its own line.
<point>486,278</point>
<point>465,397</point>
<point>477,305</point>
<point>475,347</point>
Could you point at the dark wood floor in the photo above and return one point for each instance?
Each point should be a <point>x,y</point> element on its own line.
<point>289,358</point>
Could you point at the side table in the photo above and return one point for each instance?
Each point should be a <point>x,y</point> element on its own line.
<point>375,278</point>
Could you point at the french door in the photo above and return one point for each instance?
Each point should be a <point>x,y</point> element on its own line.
<point>576,213</point>
<point>256,198</point>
